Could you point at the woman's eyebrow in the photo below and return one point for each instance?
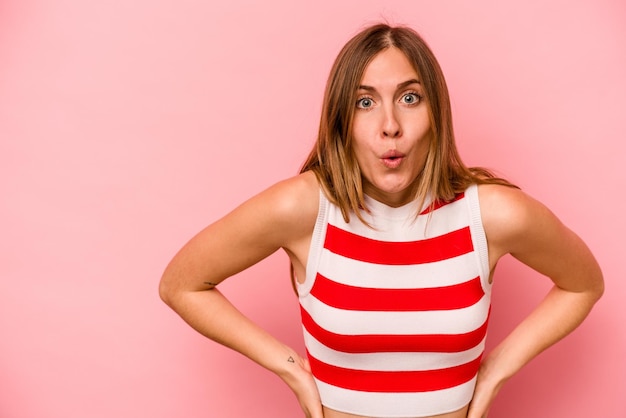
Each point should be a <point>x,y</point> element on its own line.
<point>367,88</point>
<point>408,83</point>
<point>400,86</point>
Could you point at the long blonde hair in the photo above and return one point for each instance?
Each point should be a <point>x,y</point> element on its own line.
<point>332,158</point>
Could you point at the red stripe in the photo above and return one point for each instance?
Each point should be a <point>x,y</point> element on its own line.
<point>391,343</point>
<point>441,203</point>
<point>354,298</point>
<point>429,250</point>
<point>395,381</point>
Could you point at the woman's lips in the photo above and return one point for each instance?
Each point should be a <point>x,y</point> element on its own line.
<point>392,159</point>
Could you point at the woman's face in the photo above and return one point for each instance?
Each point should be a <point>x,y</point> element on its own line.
<point>391,130</point>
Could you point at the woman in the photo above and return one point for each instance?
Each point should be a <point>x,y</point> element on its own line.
<point>393,243</point>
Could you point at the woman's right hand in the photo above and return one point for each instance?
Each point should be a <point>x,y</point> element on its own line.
<point>300,380</point>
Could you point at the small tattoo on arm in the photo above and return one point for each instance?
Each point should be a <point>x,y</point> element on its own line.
<point>291,360</point>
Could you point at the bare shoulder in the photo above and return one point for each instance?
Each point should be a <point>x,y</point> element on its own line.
<point>517,224</point>
<point>282,213</point>
<point>299,194</point>
<point>510,215</point>
<point>281,216</point>
<point>508,209</point>
<point>294,200</point>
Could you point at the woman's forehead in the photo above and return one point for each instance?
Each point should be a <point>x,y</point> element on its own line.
<point>389,67</point>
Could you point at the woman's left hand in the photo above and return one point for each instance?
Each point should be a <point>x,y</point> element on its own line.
<point>517,224</point>
<point>484,393</point>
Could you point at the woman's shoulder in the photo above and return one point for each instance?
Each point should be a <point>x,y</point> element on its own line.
<point>278,216</point>
<point>300,191</point>
<point>503,207</point>
<point>511,217</point>
<point>296,199</point>
<point>506,203</point>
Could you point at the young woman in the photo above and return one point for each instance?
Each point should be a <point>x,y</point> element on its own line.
<point>393,242</point>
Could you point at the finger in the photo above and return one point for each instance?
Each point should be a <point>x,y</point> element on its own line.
<point>315,412</point>
<point>477,409</point>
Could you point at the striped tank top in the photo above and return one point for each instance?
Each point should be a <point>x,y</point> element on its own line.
<point>395,316</point>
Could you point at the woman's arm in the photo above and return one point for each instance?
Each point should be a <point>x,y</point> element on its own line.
<point>281,217</point>
<point>519,225</point>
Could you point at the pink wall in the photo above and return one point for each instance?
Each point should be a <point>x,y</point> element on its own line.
<point>127,126</point>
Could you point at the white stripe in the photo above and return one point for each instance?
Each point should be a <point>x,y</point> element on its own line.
<point>358,273</point>
<point>454,214</point>
<point>396,405</point>
<point>390,361</point>
<point>457,321</point>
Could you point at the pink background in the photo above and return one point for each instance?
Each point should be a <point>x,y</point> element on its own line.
<point>125,127</point>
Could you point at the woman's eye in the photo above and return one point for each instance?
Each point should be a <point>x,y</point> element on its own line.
<point>410,98</point>
<point>364,103</point>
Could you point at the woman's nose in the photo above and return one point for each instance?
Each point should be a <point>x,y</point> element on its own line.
<point>391,126</point>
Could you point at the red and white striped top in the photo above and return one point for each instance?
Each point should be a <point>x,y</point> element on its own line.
<point>395,317</point>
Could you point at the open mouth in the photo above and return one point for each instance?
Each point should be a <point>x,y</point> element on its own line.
<point>392,159</point>
<point>392,154</point>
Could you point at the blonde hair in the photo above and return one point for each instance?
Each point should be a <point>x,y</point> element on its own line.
<point>332,158</point>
